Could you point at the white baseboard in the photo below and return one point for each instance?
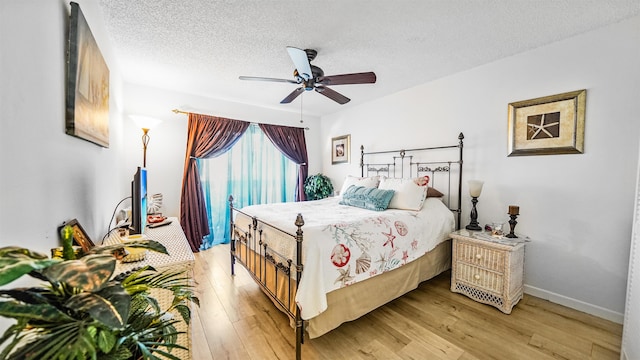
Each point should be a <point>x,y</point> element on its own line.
<point>575,304</point>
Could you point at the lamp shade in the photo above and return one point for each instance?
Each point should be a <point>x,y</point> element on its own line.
<point>475,187</point>
<point>145,122</point>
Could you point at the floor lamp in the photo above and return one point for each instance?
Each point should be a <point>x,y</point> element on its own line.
<point>145,123</point>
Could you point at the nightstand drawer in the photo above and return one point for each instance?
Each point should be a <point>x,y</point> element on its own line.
<point>492,259</point>
<point>480,278</point>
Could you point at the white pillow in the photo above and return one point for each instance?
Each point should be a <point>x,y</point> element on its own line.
<point>371,182</point>
<point>407,196</point>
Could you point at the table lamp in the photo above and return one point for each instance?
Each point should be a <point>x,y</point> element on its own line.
<point>475,188</point>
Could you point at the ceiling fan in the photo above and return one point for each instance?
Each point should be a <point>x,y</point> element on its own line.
<point>312,77</point>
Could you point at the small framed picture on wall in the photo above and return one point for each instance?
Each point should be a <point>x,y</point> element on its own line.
<point>341,149</point>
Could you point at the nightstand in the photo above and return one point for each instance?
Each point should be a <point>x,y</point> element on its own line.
<point>487,269</point>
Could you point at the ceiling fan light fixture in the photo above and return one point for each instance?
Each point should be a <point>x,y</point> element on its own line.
<point>312,77</point>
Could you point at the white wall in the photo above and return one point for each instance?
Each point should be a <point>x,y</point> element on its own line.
<point>166,150</point>
<point>577,208</point>
<point>630,346</point>
<point>46,176</point>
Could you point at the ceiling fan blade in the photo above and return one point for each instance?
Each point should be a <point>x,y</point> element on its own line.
<point>301,62</point>
<point>346,79</point>
<point>294,94</point>
<point>333,95</point>
<point>256,78</point>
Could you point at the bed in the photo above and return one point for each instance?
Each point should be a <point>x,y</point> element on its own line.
<point>320,260</point>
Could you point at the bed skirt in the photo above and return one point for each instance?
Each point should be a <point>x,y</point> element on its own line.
<point>348,303</point>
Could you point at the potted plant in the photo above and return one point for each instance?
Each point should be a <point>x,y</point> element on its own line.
<point>82,311</point>
<point>318,187</point>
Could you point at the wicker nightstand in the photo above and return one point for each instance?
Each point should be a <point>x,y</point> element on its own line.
<point>487,269</point>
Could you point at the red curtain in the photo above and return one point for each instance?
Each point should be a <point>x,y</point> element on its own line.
<point>291,142</point>
<point>208,136</point>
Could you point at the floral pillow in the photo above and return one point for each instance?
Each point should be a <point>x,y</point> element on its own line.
<point>409,194</point>
<point>424,181</point>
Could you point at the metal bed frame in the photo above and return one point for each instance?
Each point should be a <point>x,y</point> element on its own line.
<point>248,247</point>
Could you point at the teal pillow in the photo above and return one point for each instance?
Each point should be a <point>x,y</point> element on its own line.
<point>367,197</point>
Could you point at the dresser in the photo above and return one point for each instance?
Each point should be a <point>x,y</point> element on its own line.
<point>486,269</point>
<point>180,258</point>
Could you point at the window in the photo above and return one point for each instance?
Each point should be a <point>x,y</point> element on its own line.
<point>253,172</point>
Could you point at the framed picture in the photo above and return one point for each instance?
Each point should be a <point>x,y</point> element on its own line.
<point>548,125</point>
<point>80,236</point>
<point>341,149</point>
<point>87,102</point>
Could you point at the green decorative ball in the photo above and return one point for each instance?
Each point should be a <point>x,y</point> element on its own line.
<point>318,187</point>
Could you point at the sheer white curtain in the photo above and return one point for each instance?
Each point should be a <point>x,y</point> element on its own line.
<point>253,172</point>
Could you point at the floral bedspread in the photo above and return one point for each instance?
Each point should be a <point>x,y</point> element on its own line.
<point>343,244</point>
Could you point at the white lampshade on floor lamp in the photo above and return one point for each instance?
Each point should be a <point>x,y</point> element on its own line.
<point>475,188</point>
<point>145,123</point>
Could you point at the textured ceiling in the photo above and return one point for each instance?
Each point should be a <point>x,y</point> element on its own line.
<point>202,46</point>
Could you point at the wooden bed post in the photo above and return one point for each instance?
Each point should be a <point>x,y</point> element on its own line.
<point>299,323</point>
<point>232,248</point>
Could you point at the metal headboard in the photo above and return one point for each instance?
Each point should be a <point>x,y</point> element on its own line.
<point>403,165</point>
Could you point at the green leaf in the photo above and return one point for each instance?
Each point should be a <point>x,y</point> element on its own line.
<point>27,295</point>
<point>120,353</point>
<point>147,244</point>
<point>15,251</point>
<point>63,340</point>
<point>38,312</point>
<point>110,306</point>
<point>14,331</point>
<point>106,341</point>
<point>12,268</point>
<point>89,273</point>
<point>185,312</point>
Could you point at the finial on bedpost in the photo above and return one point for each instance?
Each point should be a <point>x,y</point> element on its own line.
<point>231,201</point>
<point>299,221</point>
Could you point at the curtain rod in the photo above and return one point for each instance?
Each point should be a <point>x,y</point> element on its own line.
<point>177,111</point>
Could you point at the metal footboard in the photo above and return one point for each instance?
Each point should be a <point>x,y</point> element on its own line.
<point>270,269</point>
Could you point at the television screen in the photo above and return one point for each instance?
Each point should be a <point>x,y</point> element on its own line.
<point>139,201</point>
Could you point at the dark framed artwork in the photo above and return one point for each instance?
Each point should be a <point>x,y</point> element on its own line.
<point>80,236</point>
<point>341,149</point>
<point>548,125</point>
<point>87,98</point>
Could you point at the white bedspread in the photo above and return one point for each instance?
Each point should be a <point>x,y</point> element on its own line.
<point>344,244</point>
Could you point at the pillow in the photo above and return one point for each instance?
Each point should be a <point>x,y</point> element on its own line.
<point>424,181</point>
<point>431,192</point>
<point>367,197</point>
<point>408,194</point>
<point>371,182</point>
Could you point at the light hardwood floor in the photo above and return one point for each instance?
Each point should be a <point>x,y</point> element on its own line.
<point>237,321</point>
